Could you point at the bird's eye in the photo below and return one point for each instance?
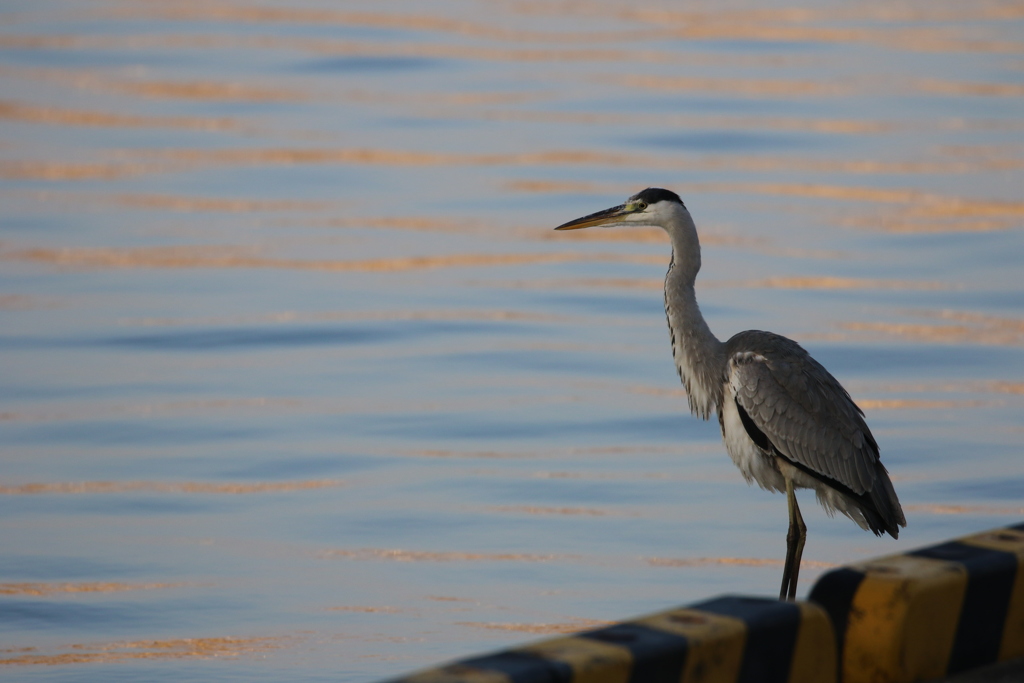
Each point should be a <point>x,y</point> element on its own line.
<point>640,206</point>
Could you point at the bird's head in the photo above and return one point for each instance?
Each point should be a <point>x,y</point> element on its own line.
<point>653,206</point>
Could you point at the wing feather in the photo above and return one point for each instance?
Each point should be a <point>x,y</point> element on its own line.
<point>802,409</point>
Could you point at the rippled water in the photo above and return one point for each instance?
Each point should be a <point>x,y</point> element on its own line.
<point>298,383</point>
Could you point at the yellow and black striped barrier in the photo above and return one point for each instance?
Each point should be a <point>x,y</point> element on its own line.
<point>728,640</point>
<point>922,615</point>
<point>931,612</point>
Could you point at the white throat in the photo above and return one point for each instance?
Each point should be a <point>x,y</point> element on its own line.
<point>698,354</point>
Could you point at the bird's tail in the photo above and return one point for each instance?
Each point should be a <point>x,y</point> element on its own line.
<point>886,513</point>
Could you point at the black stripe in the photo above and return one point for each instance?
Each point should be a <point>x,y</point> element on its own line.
<point>990,578</point>
<point>754,432</point>
<point>658,657</point>
<point>522,667</point>
<point>834,591</point>
<point>771,635</point>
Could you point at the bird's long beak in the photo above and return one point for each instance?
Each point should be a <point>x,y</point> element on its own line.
<point>599,218</point>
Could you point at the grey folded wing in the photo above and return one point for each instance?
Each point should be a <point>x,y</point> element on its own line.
<point>805,414</point>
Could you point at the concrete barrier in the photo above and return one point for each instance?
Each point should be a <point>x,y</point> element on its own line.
<point>931,612</point>
<point>728,639</point>
<point>922,615</point>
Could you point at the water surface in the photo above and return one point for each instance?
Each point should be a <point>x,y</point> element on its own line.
<point>297,382</point>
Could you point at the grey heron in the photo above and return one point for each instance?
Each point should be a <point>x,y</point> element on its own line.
<point>786,422</point>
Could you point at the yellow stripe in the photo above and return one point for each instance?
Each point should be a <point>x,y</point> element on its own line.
<point>903,619</point>
<point>715,643</point>
<point>592,661</point>
<point>1010,541</point>
<point>457,673</point>
<point>814,656</point>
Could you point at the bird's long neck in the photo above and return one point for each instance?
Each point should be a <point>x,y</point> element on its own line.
<point>699,356</point>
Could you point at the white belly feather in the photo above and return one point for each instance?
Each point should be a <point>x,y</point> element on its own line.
<point>753,463</point>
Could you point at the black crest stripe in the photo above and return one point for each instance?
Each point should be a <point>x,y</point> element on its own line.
<point>653,195</point>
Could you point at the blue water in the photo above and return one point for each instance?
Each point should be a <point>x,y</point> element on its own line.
<point>296,382</point>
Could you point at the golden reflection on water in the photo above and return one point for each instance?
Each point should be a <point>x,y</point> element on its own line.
<point>788,88</point>
<point>909,221</point>
<point>987,387</point>
<point>572,626</point>
<point>412,223</point>
<point>451,105</point>
<point>935,509</point>
<point>959,89</point>
<point>23,302</point>
<point>550,510</point>
<point>340,406</point>
<point>164,202</point>
<point>974,328</point>
<point>224,11</point>
<point>561,284</point>
<point>285,317</point>
<point>830,283</point>
<point>784,283</point>
<point>217,91</point>
<point>761,24</point>
<point>330,47</point>
<point>928,203</point>
<point>1005,387</point>
<point>447,598</point>
<point>290,156</point>
<point>747,88</point>
<point>246,257</point>
<point>917,404</point>
<point>879,26</point>
<point>96,409</point>
<point>559,186</point>
<point>40,589</point>
<point>691,121</point>
<point>588,453</point>
<point>106,653</point>
<point>486,455</point>
<point>398,555</point>
<point>61,170</point>
<point>103,487</point>
<point>598,476</point>
<point>730,561</point>
<point>171,202</point>
<point>367,609</point>
<point>932,214</point>
<point>17,111</point>
<point>454,103</point>
<point>924,205</point>
<point>949,162</point>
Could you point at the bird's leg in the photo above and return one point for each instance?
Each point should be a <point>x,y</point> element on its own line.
<point>794,545</point>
